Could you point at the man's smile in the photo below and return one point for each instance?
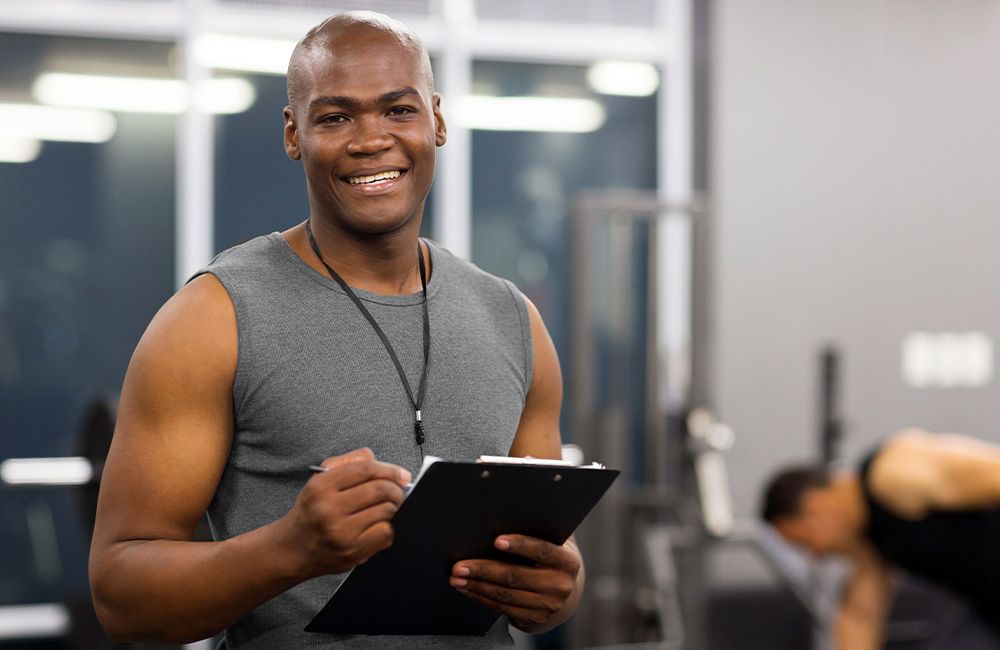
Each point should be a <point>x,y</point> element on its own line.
<point>374,178</point>
<point>375,182</point>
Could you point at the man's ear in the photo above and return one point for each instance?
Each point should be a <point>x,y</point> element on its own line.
<point>441,129</point>
<point>291,135</point>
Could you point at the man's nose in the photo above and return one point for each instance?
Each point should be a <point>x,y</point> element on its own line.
<point>369,137</point>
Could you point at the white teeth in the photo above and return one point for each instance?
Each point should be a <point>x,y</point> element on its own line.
<point>381,176</point>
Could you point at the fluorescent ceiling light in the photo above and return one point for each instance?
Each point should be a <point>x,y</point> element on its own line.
<point>623,78</point>
<point>19,622</point>
<point>225,96</point>
<point>74,470</point>
<point>547,114</point>
<point>140,95</point>
<point>19,150</point>
<point>266,55</point>
<point>128,95</point>
<point>31,121</point>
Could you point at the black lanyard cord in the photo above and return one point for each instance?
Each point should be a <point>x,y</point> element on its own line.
<point>418,426</point>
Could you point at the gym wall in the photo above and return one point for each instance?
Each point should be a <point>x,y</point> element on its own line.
<point>855,200</point>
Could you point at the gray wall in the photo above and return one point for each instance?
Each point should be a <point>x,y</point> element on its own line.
<point>856,190</point>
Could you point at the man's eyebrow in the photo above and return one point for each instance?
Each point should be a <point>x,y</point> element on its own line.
<point>393,95</point>
<point>334,100</point>
<point>351,102</point>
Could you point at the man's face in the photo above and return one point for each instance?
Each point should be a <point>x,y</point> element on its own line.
<point>820,526</point>
<point>366,129</point>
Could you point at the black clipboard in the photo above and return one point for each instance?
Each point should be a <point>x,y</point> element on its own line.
<point>455,512</point>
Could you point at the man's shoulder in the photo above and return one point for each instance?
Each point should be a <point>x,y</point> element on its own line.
<point>197,325</point>
<point>457,269</point>
<point>248,268</point>
<point>899,450</point>
<point>248,253</point>
<point>899,472</point>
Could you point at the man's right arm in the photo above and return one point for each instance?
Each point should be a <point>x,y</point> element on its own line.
<point>860,621</point>
<point>150,581</point>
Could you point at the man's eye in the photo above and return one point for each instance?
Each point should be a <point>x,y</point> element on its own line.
<point>401,110</point>
<point>332,119</point>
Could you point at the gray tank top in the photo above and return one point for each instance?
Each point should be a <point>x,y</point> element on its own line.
<point>313,380</point>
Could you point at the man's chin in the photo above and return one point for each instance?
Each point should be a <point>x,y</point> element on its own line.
<point>378,226</point>
<point>370,222</point>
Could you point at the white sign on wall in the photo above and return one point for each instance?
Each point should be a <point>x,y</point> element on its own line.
<point>947,360</point>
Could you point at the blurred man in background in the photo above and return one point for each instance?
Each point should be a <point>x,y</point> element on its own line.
<point>928,504</point>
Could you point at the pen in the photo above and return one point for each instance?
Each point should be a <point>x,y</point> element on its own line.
<point>318,469</point>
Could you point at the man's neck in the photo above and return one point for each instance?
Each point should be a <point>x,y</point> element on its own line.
<point>385,264</point>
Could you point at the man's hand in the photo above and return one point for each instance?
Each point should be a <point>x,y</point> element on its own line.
<point>342,516</point>
<point>531,596</point>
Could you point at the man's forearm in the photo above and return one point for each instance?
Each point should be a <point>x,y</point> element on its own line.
<point>858,632</point>
<point>181,591</point>
<point>865,604</point>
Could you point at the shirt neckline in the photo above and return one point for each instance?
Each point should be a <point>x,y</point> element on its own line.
<point>368,296</point>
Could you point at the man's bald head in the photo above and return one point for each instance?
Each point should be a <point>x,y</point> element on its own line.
<point>322,41</point>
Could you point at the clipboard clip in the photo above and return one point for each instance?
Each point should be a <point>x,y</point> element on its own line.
<point>544,462</point>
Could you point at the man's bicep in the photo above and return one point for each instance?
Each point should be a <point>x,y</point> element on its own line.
<point>538,430</point>
<point>175,420</point>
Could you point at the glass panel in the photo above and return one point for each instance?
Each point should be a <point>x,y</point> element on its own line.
<point>525,182</point>
<point>86,258</point>
<point>639,13</point>
<point>391,7</point>
<point>257,188</point>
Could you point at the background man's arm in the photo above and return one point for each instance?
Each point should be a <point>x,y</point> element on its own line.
<point>150,581</point>
<point>918,471</point>
<point>542,597</point>
<point>860,621</point>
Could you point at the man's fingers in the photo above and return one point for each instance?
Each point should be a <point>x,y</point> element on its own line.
<point>499,573</point>
<point>539,551</point>
<point>348,475</point>
<point>364,456</point>
<point>498,593</point>
<point>538,580</point>
<point>355,456</point>
<point>519,615</point>
<point>375,538</point>
<point>365,519</point>
<point>371,493</point>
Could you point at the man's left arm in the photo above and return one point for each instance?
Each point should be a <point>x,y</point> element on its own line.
<point>919,471</point>
<point>541,596</point>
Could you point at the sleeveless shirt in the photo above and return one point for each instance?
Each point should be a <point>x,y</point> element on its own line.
<point>959,549</point>
<point>313,380</point>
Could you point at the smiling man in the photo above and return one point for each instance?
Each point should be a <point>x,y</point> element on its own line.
<point>346,341</point>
